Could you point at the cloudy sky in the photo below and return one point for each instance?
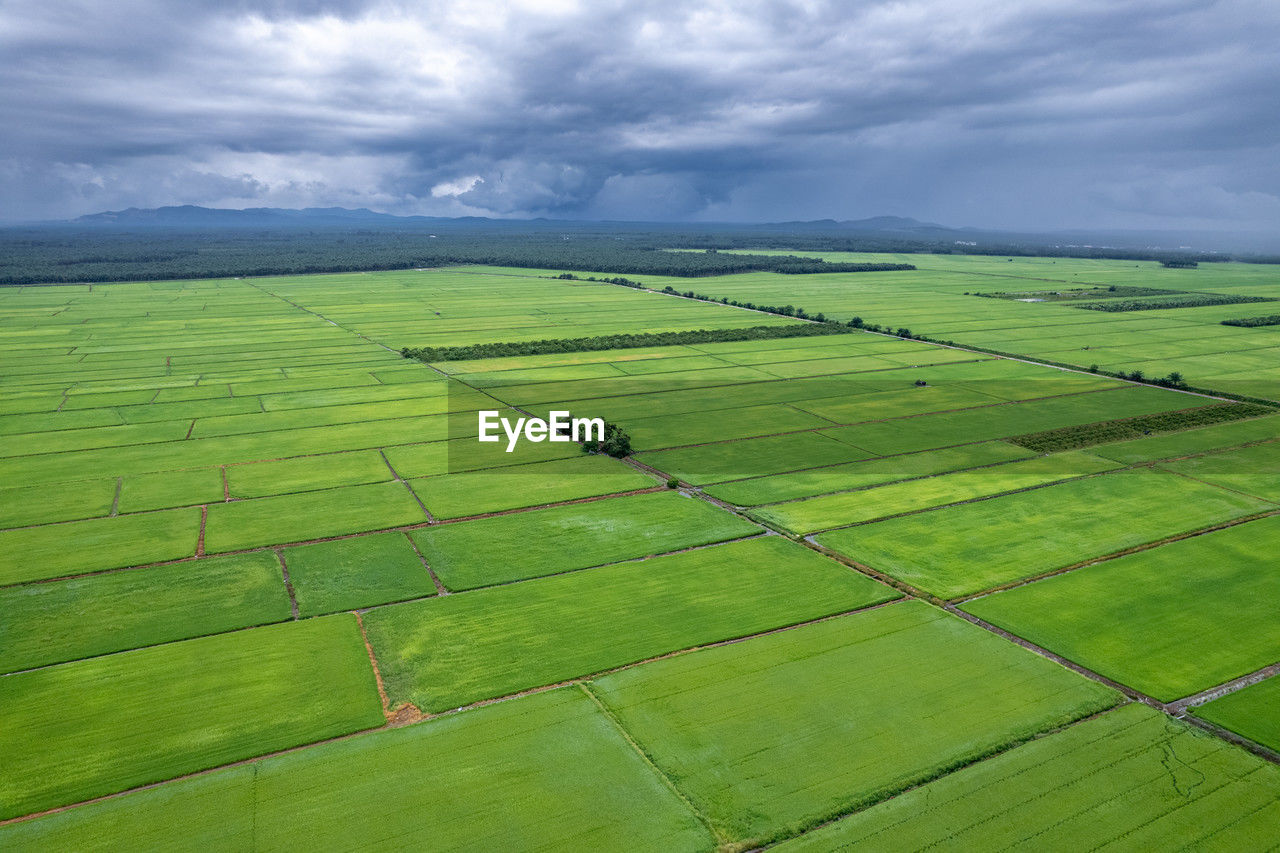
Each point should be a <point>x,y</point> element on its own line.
<point>999,113</point>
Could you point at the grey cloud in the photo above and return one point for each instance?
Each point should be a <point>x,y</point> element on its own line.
<point>1043,114</point>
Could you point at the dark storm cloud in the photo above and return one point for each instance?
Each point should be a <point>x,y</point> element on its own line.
<point>1037,114</point>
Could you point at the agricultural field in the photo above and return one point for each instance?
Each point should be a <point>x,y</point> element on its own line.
<point>943,299</point>
<point>843,588</point>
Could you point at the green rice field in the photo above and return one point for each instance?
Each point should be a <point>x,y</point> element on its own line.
<point>261,586</point>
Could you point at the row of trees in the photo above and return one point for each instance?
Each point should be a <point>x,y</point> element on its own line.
<point>1088,435</point>
<point>1156,303</point>
<point>1254,322</point>
<point>631,341</point>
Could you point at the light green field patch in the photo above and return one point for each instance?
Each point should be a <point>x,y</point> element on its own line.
<point>349,574</point>
<point>1253,470</point>
<point>310,515</point>
<point>892,404</point>
<point>59,441</point>
<point>165,489</point>
<point>1253,712</point>
<point>541,542</point>
<point>51,421</point>
<point>115,611</point>
<point>143,716</point>
<point>867,472</point>
<point>1170,621</point>
<point>961,550</point>
<point>777,733</point>
<point>188,409</point>
<point>828,511</point>
<point>567,778</point>
<point>79,547</point>
<point>559,373</point>
<point>459,649</point>
<point>346,396</point>
<point>24,505</point>
<point>513,487</point>
<point>1105,781</point>
<point>307,473</point>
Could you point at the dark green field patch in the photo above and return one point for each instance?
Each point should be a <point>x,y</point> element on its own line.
<point>124,720</point>
<point>1170,621</point>
<point>459,649</point>
<point>512,487</point>
<point>79,547</point>
<point>1131,777</point>
<point>306,473</point>
<point>777,733</point>
<point>23,505</point>
<point>752,457</point>
<point>489,551</point>
<point>349,574</point>
<point>165,489</point>
<point>309,515</point>
<point>867,472</point>
<point>65,620</point>
<point>1253,712</point>
<point>964,549</point>
<point>542,772</point>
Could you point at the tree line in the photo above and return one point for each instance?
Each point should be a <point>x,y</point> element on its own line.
<point>630,341</point>
<point>62,255</point>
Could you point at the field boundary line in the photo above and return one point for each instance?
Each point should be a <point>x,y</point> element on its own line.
<point>1131,693</point>
<point>1260,750</point>
<point>441,589</point>
<point>1187,476</point>
<point>1224,689</point>
<point>317,314</point>
<point>1205,393</point>
<point>204,521</point>
<point>404,528</point>
<point>377,672</point>
<point>972,500</point>
<point>395,475</point>
<point>288,583</point>
<point>941,774</point>
<point>115,501</point>
<point>721,839</point>
<point>1106,558</point>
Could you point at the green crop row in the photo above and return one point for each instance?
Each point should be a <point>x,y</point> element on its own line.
<point>1087,435</point>
<point>1191,300</point>
<point>632,341</point>
<point>1253,322</point>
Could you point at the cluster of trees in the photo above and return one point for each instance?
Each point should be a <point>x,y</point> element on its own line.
<point>1078,293</point>
<point>781,310</point>
<point>62,255</point>
<point>1179,263</point>
<point>901,331</point>
<point>607,342</point>
<point>1191,300</point>
<point>625,282</point>
<point>616,443</point>
<point>1087,435</point>
<point>1173,380</point>
<point>1253,322</point>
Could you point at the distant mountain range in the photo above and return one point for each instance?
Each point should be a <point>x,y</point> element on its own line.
<point>190,214</point>
<point>899,227</point>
